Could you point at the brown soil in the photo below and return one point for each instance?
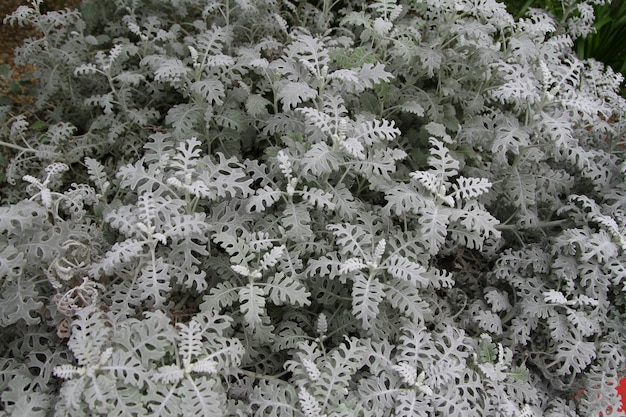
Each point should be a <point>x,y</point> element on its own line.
<point>13,36</point>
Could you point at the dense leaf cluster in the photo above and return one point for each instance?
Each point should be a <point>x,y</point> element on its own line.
<point>272,208</point>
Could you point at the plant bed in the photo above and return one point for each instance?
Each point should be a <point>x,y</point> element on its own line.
<point>260,208</point>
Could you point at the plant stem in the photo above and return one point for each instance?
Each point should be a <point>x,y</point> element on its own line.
<point>17,147</point>
<point>540,225</point>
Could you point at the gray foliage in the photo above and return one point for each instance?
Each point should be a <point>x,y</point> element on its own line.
<point>271,208</point>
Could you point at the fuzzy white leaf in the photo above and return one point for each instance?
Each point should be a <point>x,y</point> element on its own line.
<point>489,321</point>
<point>321,324</point>
<point>367,293</point>
<point>189,340</point>
<point>271,258</point>
<point>263,198</point>
<point>371,74</point>
<point>120,253</point>
<point>351,265</point>
<point>575,355</point>
<point>97,174</point>
<point>210,89</point>
<point>434,222</point>
<point>206,366</point>
<point>171,69</point>
<point>296,220</point>
<point>406,270</point>
<point>407,372</point>
<point>321,159</point>
<point>241,270</point>
<point>444,166</point>
<point>86,69</point>
<point>283,289</point>
<point>353,147</point>
<point>311,369</point>
<point>498,300</point>
<point>466,188</point>
<point>413,107</point>
<point>555,297</point>
<point>375,131</point>
<point>428,179</point>
<point>252,304</point>
<point>438,130</point>
<point>317,198</point>
<point>294,93</point>
<point>404,297</point>
<point>319,120</point>
<point>67,371</point>
<point>256,105</point>
<point>169,374</point>
<point>346,75</point>
<point>308,404</point>
<point>154,282</point>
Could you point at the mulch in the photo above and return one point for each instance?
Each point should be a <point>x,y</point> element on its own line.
<point>12,36</point>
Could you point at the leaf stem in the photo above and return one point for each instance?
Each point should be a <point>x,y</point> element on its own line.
<point>17,147</point>
<point>540,225</point>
